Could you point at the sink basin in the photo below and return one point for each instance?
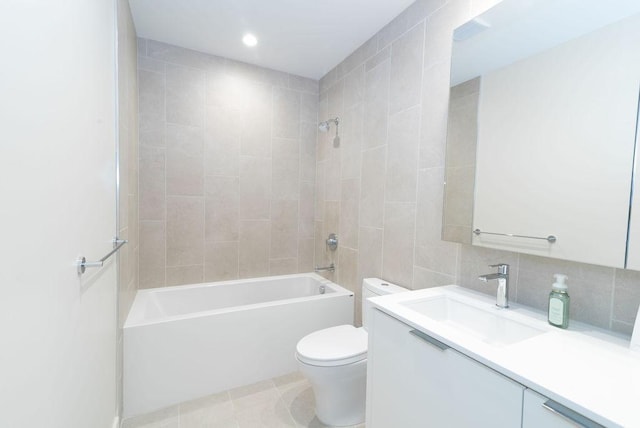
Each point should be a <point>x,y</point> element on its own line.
<point>485,324</point>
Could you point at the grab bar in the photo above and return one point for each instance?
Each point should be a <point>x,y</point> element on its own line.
<point>550,238</point>
<point>83,264</point>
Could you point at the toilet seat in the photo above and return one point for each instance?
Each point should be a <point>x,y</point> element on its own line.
<point>334,346</point>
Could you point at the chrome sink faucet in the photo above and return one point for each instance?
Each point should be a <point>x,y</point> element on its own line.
<point>502,297</point>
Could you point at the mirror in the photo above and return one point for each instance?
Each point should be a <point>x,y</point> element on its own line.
<point>542,124</point>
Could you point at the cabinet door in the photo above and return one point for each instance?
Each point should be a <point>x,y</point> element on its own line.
<point>405,381</point>
<point>555,148</point>
<point>479,396</point>
<point>539,411</point>
<point>416,381</point>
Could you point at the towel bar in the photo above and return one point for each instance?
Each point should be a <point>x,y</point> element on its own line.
<point>83,264</point>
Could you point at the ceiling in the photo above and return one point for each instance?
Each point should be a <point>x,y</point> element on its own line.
<point>303,37</point>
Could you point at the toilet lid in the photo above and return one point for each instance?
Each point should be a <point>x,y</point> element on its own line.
<point>333,346</point>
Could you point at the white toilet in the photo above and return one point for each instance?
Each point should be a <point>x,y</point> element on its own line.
<point>334,360</point>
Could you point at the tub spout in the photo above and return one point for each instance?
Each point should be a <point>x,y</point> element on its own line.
<point>330,268</point>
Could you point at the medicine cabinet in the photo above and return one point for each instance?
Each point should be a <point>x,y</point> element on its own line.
<point>542,128</point>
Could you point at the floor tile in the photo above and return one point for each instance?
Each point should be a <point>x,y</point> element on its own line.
<point>213,411</point>
<point>164,418</point>
<point>282,402</point>
<point>273,415</point>
<point>256,396</point>
<point>293,377</point>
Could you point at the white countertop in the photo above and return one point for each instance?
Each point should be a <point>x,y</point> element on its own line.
<point>583,367</point>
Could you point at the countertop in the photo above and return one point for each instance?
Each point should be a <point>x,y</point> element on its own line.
<point>584,368</point>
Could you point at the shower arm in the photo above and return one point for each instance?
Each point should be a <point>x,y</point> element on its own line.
<point>326,125</point>
<point>335,121</point>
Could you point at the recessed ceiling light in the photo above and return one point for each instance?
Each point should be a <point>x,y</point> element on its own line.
<point>249,40</point>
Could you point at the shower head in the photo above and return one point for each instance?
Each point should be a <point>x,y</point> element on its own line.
<point>323,126</point>
<point>326,125</point>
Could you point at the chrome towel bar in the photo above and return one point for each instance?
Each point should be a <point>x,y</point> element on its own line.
<point>551,238</point>
<point>83,264</point>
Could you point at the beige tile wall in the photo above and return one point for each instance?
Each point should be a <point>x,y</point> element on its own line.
<point>128,174</point>
<point>382,192</point>
<point>227,168</point>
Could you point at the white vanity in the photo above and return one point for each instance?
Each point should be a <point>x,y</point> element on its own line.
<point>448,357</point>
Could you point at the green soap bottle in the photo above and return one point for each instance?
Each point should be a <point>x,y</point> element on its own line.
<point>559,302</point>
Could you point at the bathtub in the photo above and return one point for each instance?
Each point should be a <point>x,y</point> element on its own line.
<point>189,341</point>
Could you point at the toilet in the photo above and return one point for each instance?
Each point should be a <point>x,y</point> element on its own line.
<point>334,360</point>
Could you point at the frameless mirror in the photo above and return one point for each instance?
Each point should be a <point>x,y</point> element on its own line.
<point>542,123</point>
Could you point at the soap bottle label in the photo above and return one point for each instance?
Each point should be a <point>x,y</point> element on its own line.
<point>556,311</point>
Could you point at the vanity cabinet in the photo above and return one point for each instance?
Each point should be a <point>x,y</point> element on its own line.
<point>415,381</point>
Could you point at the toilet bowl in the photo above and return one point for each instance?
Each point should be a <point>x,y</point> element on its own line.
<point>334,360</point>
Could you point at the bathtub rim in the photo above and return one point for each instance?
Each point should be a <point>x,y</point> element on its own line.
<point>141,322</point>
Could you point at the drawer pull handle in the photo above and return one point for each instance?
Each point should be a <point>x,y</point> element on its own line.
<point>431,340</point>
<point>570,415</point>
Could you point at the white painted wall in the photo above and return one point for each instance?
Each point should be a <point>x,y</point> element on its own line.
<point>57,190</point>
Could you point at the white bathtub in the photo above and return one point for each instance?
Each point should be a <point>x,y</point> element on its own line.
<point>188,341</point>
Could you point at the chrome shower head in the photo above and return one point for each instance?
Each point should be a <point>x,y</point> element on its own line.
<point>326,125</point>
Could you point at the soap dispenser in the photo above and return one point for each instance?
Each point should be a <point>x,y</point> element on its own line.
<point>559,302</point>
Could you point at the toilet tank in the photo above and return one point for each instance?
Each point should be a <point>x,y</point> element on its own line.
<point>372,287</point>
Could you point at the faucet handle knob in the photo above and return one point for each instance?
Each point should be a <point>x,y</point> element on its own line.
<point>502,268</point>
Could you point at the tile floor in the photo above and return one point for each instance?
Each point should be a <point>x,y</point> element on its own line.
<point>285,401</point>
